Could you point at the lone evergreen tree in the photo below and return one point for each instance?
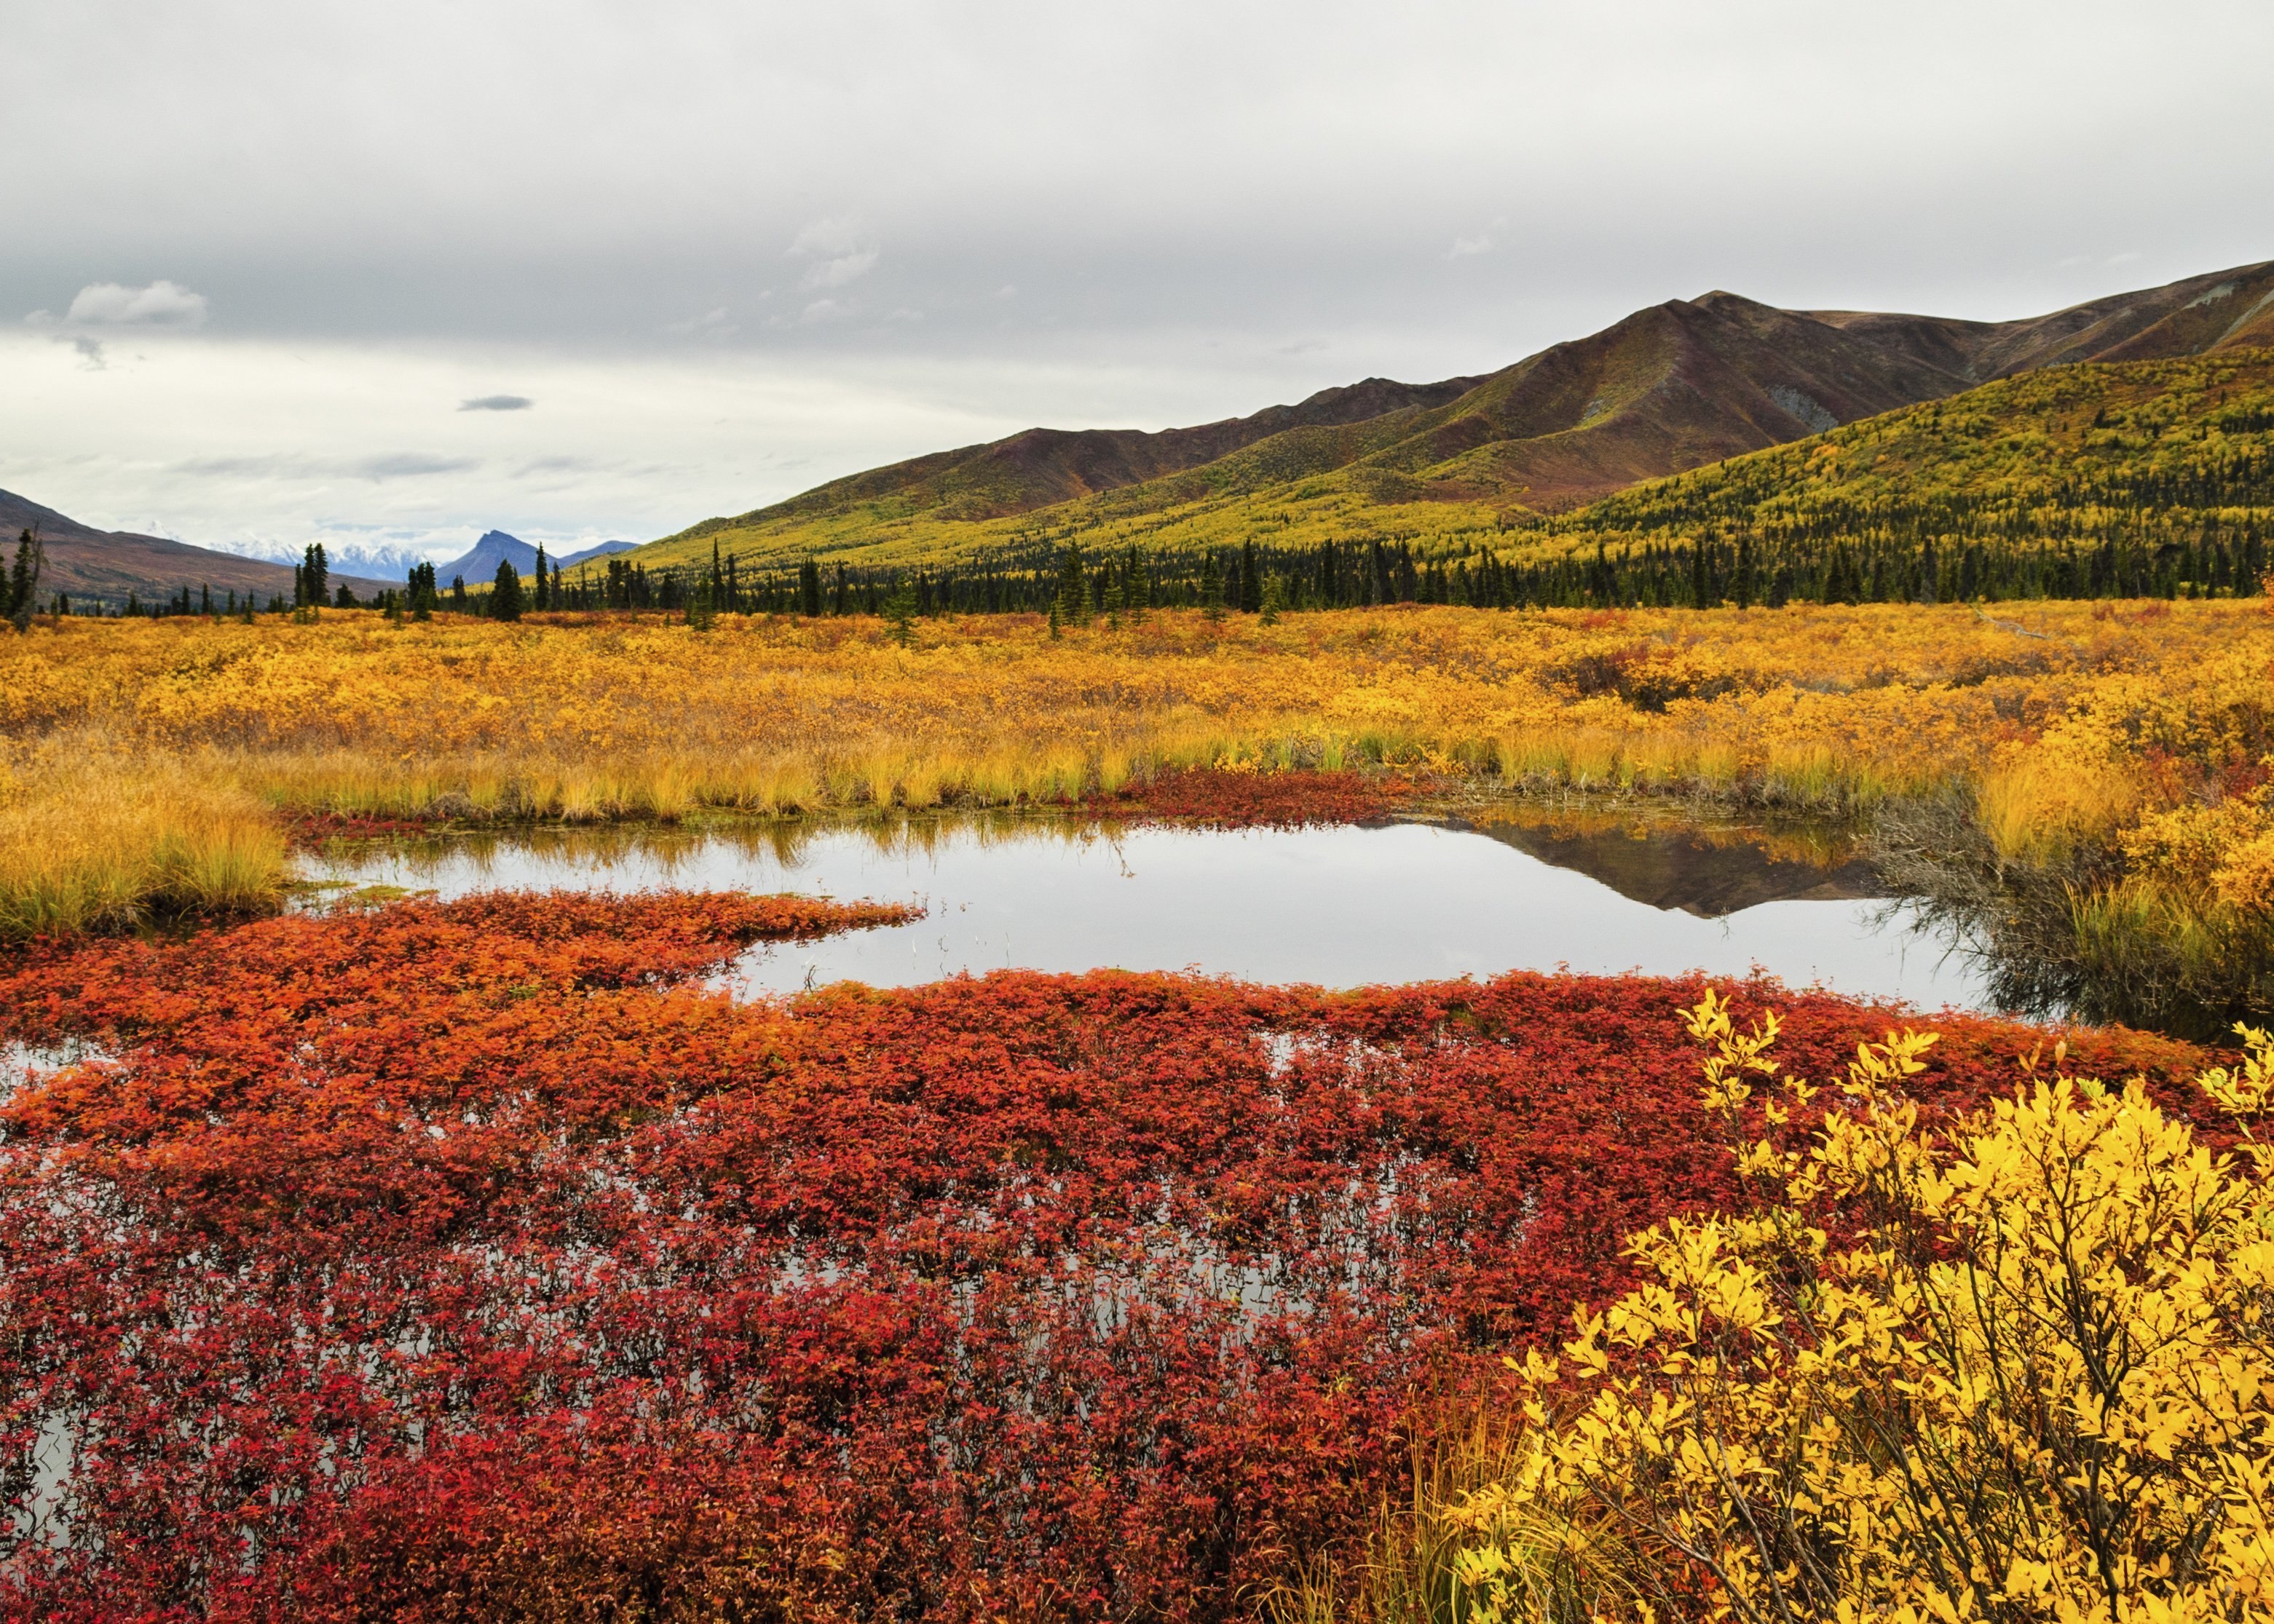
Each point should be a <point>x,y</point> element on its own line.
<point>311,582</point>
<point>901,611</point>
<point>24,581</point>
<point>505,594</point>
<point>1072,603</point>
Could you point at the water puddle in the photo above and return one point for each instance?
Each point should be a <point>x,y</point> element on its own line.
<point>1339,906</point>
<point>23,1065</point>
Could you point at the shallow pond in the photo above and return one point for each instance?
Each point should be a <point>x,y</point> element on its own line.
<point>1345,905</point>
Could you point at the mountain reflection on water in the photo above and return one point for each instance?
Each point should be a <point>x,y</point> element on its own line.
<point>1707,874</point>
<point>1342,905</point>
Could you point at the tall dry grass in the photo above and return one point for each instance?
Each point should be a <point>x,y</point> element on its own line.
<point>94,836</point>
<point>1420,1564</point>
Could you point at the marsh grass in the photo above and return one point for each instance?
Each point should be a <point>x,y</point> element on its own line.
<point>93,838</point>
<point>2041,812</point>
<point>1413,1571</point>
<point>1829,712</point>
<point>2062,931</point>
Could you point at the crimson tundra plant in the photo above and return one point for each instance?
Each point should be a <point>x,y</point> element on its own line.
<point>485,1260</point>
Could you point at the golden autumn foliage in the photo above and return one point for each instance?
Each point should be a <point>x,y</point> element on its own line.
<point>2035,1381</point>
<point>2072,719</point>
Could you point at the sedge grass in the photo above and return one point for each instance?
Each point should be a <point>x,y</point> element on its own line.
<point>91,839</point>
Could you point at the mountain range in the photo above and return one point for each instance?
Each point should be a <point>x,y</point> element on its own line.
<point>1672,387</point>
<point>1667,389</point>
<point>106,566</point>
<point>478,564</point>
<point>95,565</point>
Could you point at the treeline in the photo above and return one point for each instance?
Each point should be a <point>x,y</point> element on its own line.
<point>1077,587</point>
<point>1744,570</point>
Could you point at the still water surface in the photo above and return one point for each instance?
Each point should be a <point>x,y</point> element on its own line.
<point>1339,906</point>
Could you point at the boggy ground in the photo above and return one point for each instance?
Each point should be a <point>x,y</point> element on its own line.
<point>2085,786</point>
<point>478,1261</point>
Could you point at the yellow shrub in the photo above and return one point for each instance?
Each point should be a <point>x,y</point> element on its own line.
<point>2036,1387</point>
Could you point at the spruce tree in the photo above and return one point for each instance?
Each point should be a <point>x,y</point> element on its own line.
<point>900,612</point>
<point>311,586</point>
<point>1072,588</point>
<point>24,581</point>
<point>505,593</point>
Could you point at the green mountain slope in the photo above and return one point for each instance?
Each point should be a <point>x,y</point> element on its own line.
<point>2096,479</point>
<point>2148,448</point>
<point>1456,464</point>
<point>2130,479</point>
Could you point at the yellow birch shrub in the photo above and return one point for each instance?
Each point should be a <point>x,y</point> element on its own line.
<point>2035,1384</point>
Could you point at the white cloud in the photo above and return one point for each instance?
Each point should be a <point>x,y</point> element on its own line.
<point>114,304</point>
<point>824,309</point>
<point>709,324</point>
<point>836,251</point>
<point>837,272</point>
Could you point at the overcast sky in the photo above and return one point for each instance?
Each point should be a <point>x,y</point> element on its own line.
<point>282,272</point>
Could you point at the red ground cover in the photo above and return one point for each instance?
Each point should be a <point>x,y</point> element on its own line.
<point>1218,799</point>
<point>475,1260</point>
<point>312,829</point>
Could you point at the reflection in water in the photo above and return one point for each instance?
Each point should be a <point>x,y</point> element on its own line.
<point>1339,906</point>
<point>22,1063</point>
<point>1705,872</point>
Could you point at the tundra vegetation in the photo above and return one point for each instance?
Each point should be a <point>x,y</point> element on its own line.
<point>486,1260</point>
<point>481,1260</point>
<point>2086,784</point>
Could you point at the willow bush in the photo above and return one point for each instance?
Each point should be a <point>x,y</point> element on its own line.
<point>2017,1368</point>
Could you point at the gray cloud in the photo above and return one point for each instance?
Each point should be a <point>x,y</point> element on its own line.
<point>1324,191</point>
<point>160,303</point>
<point>497,402</point>
<point>387,465</point>
<point>836,253</point>
<point>410,465</point>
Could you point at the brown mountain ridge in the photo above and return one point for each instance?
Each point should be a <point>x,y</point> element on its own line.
<point>1668,389</point>
<point>105,566</point>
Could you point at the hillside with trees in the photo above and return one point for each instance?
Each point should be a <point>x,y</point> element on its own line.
<point>1453,465</point>
<point>2130,479</point>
